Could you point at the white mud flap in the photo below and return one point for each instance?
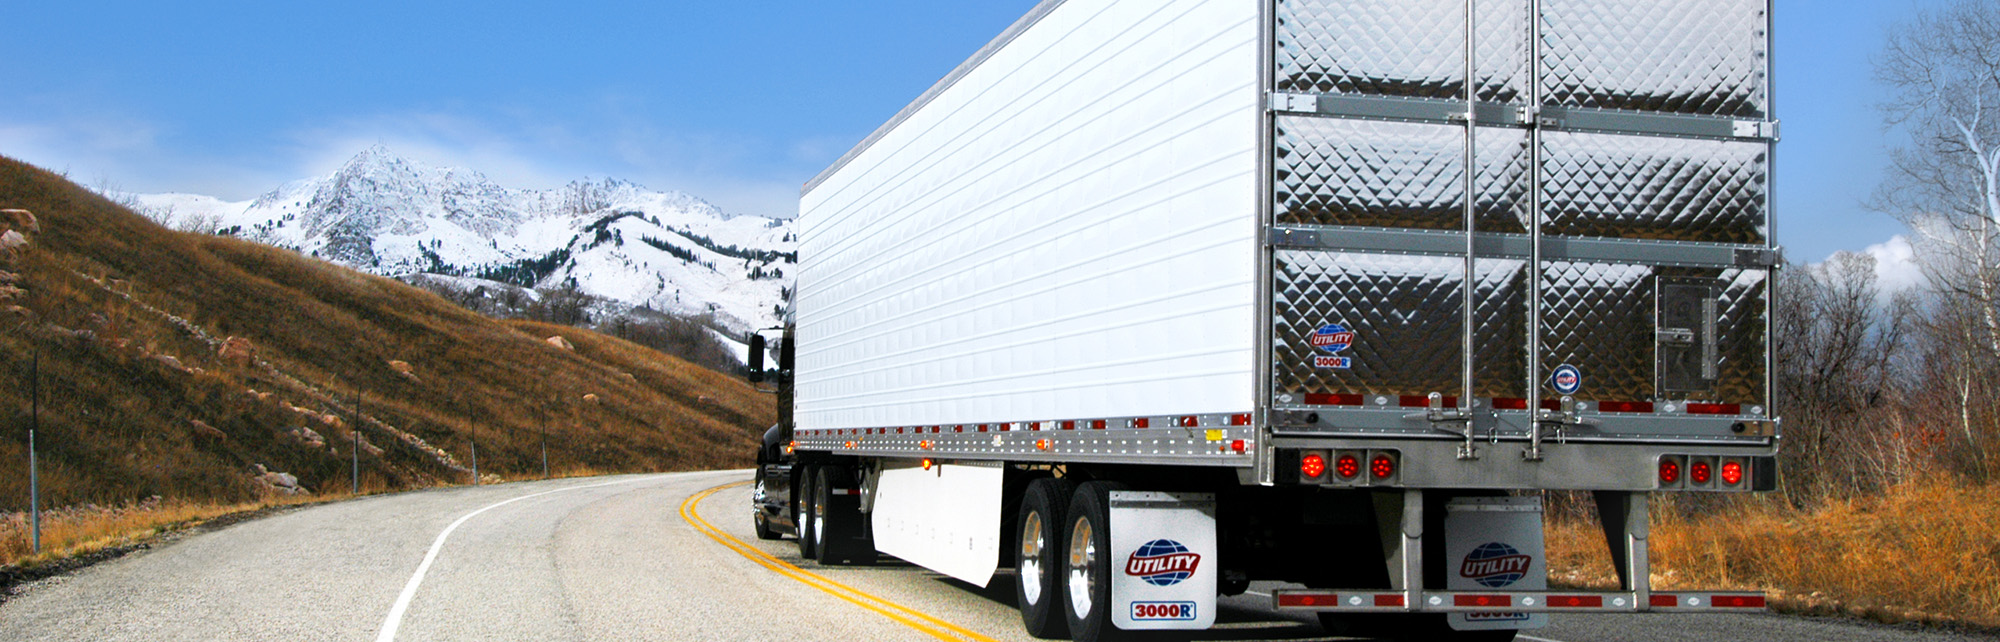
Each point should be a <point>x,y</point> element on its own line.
<point>946,519</point>
<point>1163,564</point>
<point>1495,544</point>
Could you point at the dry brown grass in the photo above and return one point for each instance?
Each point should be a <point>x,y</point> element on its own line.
<point>106,294</point>
<point>1919,552</point>
<point>78,530</point>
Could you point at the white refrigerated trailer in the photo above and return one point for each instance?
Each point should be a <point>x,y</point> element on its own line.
<point>1150,299</point>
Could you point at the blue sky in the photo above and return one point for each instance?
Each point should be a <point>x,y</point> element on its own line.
<point>736,102</point>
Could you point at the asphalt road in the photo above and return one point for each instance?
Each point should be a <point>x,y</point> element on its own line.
<point>657,557</point>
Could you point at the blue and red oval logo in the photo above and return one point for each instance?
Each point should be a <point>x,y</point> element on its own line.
<point>1162,562</point>
<point>1494,565</point>
<point>1566,379</point>
<point>1333,338</point>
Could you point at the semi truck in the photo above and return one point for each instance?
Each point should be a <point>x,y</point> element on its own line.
<point>1152,299</point>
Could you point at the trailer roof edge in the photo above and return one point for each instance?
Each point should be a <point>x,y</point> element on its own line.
<point>1034,16</point>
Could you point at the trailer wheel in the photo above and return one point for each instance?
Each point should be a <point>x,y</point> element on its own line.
<point>837,524</point>
<point>1038,562</point>
<point>1087,565</point>
<point>803,518</point>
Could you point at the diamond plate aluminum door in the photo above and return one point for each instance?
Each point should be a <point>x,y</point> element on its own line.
<point>1374,325</point>
<point>1618,149</point>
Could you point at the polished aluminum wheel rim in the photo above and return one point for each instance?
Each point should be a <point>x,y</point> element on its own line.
<point>1031,558</point>
<point>1082,556</point>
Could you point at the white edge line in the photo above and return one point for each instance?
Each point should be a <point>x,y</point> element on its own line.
<point>395,619</point>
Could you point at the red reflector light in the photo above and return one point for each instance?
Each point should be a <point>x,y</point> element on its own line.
<point>1069,425</point>
<point>1333,400</point>
<point>1665,600</point>
<point>1142,422</point>
<point>1714,409</point>
<point>1190,422</point>
<point>1482,600</point>
<point>1035,425</point>
<point>1347,466</point>
<point>1670,472</point>
<point>1577,601</point>
<point>1302,600</point>
<point>1382,466</point>
<point>1239,420</point>
<point>958,428</point>
<point>1732,472</point>
<point>1509,403</point>
<point>1419,401</point>
<point>1625,406</point>
<point>1700,472</point>
<point>1097,424</point>
<point>1388,600</point>
<point>1738,601</point>
<point>1312,466</point>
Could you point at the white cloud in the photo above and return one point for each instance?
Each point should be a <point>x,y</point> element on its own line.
<point>1896,267</point>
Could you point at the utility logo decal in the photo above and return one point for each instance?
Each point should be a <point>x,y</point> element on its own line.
<point>1162,562</point>
<point>1566,379</point>
<point>1495,565</point>
<point>1334,339</point>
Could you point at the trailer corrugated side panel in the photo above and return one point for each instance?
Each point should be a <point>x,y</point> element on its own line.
<point>1064,228</point>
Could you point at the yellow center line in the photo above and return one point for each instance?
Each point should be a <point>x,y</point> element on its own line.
<point>937,628</point>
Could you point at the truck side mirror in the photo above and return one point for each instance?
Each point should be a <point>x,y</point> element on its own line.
<point>757,358</point>
<point>785,354</point>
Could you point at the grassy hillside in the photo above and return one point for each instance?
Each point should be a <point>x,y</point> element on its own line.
<point>177,365</point>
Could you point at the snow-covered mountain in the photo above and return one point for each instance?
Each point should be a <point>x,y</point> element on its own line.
<point>616,240</point>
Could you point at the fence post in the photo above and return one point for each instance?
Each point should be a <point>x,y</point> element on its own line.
<point>355,432</point>
<point>34,470</point>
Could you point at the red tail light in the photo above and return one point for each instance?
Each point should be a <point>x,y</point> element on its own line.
<point>1312,466</point>
<point>1333,400</point>
<point>1700,472</point>
<point>1732,472</point>
<point>1670,471</point>
<point>1625,406</point>
<point>1382,466</point>
<point>1347,467</point>
<point>1141,422</point>
<point>1714,409</point>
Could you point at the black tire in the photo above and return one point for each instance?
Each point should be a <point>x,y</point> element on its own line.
<point>840,536</point>
<point>1087,564</point>
<point>1038,560</point>
<point>802,497</point>
<point>757,516</point>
